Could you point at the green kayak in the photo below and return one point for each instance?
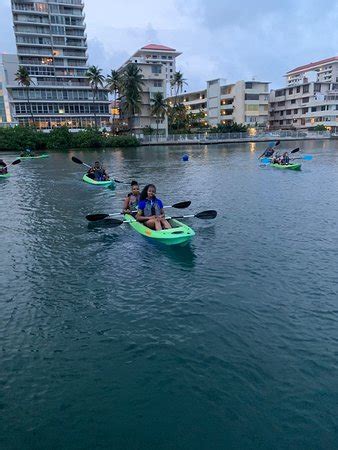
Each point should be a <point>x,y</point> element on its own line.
<point>287,166</point>
<point>5,175</point>
<point>34,157</point>
<point>97,183</point>
<point>179,234</point>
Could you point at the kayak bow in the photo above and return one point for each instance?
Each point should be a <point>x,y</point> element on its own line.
<point>89,180</point>
<point>179,234</point>
<point>287,166</point>
<point>44,155</point>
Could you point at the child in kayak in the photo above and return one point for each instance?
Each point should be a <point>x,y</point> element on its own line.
<point>132,199</point>
<point>150,210</point>
<point>97,172</point>
<point>3,167</point>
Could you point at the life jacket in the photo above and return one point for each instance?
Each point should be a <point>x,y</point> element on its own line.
<point>133,201</point>
<point>151,208</point>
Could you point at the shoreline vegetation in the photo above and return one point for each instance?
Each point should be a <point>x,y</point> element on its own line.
<point>19,138</point>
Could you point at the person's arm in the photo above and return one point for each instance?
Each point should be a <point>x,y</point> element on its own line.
<point>126,205</point>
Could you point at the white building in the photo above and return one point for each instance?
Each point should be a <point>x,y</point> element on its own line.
<point>310,97</point>
<point>52,45</point>
<point>158,65</point>
<point>8,69</point>
<point>243,102</point>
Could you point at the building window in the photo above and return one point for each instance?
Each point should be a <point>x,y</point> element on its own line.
<point>293,102</point>
<point>157,83</point>
<point>305,89</point>
<point>295,111</point>
<point>288,112</point>
<point>306,99</point>
<point>248,85</point>
<point>156,69</point>
<point>290,91</point>
<point>251,97</point>
<point>280,93</point>
<point>298,90</point>
<point>305,110</point>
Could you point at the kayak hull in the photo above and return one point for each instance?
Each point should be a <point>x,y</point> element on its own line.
<point>34,157</point>
<point>5,175</point>
<point>287,166</point>
<point>179,234</point>
<point>89,180</point>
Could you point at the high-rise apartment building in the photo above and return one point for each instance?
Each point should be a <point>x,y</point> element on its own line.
<point>310,97</point>
<point>51,44</point>
<point>8,68</point>
<point>243,102</point>
<point>158,65</point>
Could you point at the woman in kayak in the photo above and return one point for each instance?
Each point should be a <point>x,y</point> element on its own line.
<point>268,153</point>
<point>97,172</point>
<point>27,152</point>
<point>3,167</point>
<point>132,199</point>
<point>150,210</point>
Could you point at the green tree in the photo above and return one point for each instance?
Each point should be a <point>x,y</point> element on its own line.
<point>23,78</point>
<point>177,83</point>
<point>319,127</point>
<point>113,83</point>
<point>159,108</point>
<point>131,90</point>
<point>96,80</point>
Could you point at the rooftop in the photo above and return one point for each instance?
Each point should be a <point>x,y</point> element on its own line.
<point>313,65</point>
<point>158,47</point>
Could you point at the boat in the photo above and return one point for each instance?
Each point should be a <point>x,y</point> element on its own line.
<point>5,175</point>
<point>287,166</point>
<point>179,234</point>
<point>44,155</point>
<point>89,180</point>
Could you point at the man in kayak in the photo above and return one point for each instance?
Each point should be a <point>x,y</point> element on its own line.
<point>27,152</point>
<point>285,159</point>
<point>132,199</point>
<point>150,210</point>
<point>268,153</point>
<point>3,167</point>
<point>97,172</point>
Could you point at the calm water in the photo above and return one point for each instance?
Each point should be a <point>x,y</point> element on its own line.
<point>108,341</point>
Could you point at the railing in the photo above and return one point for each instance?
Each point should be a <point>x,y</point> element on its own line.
<point>207,136</point>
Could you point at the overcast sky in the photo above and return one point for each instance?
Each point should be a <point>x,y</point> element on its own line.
<point>218,38</point>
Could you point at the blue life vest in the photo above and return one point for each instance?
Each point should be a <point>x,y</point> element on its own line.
<point>150,207</point>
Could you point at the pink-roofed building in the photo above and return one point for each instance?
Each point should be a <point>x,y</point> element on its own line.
<point>310,97</point>
<point>158,65</point>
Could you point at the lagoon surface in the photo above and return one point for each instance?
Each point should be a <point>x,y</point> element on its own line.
<point>111,342</point>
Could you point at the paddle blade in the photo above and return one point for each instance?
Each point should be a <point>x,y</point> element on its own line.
<point>307,157</point>
<point>265,160</point>
<point>118,181</point>
<point>76,160</point>
<point>95,217</point>
<point>182,205</point>
<point>209,214</point>
<point>277,143</point>
<point>17,161</point>
<point>295,150</point>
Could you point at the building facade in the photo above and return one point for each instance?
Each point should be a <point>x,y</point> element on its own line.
<point>310,98</point>
<point>52,46</point>
<point>243,102</point>
<point>8,69</point>
<point>158,65</point>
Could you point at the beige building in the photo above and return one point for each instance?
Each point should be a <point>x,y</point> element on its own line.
<point>243,102</point>
<point>158,65</point>
<point>310,97</point>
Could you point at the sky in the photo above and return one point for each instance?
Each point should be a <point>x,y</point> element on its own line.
<point>218,38</point>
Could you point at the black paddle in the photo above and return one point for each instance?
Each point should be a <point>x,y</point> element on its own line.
<point>95,217</point>
<point>14,163</point>
<point>210,214</point>
<point>78,161</point>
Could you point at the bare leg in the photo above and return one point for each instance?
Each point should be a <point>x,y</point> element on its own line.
<point>165,223</point>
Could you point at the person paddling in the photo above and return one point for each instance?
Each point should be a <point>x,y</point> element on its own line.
<point>3,167</point>
<point>132,199</point>
<point>285,159</point>
<point>150,209</point>
<point>97,172</point>
<point>268,153</point>
<point>27,152</point>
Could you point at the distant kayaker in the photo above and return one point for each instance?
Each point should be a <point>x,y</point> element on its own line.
<point>97,172</point>
<point>3,167</point>
<point>268,153</point>
<point>27,152</point>
<point>285,158</point>
<point>150,209</point>
<point>132,199</point>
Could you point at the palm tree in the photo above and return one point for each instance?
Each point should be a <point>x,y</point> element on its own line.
<point>177,83</point>
<point>131,90</point>
<point>96,80</point>
<point>159,108</point>
<point>113,82</point>
<point>23,79</point>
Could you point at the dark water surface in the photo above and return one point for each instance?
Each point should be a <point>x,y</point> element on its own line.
<point>111,342</point>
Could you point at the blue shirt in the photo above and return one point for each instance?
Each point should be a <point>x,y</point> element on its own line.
<point>142,203</point>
